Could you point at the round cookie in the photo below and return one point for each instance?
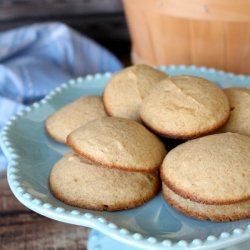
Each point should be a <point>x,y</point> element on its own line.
<point>72,116</point>
<point>185,107</point>
<point>211,170</point>
<point>126,89</point>
<point>232,212</point>
<point>118,143</point>
<point>239,121</point>
<point>80,184</point>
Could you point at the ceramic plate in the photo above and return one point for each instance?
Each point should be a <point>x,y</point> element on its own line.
<point>31,154</point>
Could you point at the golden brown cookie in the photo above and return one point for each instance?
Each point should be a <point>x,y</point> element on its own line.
<point>118,143</point>
<point>231,212</point>
<point>212,170</point>
<point>185,107</point>
<point>239,121</point>
<point>126,89</point>
<point>72,116</point>
<point>81,184</point>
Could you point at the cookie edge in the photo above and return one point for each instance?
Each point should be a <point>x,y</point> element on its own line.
<point>195,198</point>
<point>201,216</point>
<point>108,165</point>
<point>88,205</point>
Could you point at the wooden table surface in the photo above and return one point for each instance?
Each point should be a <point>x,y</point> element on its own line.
<point>20,228</point>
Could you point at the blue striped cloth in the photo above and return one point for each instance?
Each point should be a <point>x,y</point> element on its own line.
<point>35,59</point>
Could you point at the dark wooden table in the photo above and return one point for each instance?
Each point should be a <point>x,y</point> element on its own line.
<point>21,228</point>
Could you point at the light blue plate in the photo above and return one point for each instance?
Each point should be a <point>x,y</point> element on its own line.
<point>155,225</point>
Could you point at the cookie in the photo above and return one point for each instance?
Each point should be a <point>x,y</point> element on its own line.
<point>239,121</point>
<point>126,89</point>
<point>83,185</point>
<point>70,117</point>
<point>212,170</point>
<point>118,143</point>
<point>232,212</point>
<point>185,107</point>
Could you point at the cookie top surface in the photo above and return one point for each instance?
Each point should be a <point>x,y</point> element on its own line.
<point>185,107</point>
<point>70,117</point>
<point>126,89</point>
<point>239,121</point>
<point>118,143</point>
<point>213,169</point>
<point>80,184</point>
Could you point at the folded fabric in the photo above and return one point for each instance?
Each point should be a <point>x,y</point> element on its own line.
<point>35,59</point>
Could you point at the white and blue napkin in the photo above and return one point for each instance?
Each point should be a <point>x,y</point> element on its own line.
<point>35,59</point>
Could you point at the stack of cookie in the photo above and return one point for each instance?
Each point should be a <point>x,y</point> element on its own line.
<point>113,166</point>
<point>115,159</point>
<point>208,178</point>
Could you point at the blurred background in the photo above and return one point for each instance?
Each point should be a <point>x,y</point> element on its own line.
<point>102,20</point>
<point>209,33</point>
